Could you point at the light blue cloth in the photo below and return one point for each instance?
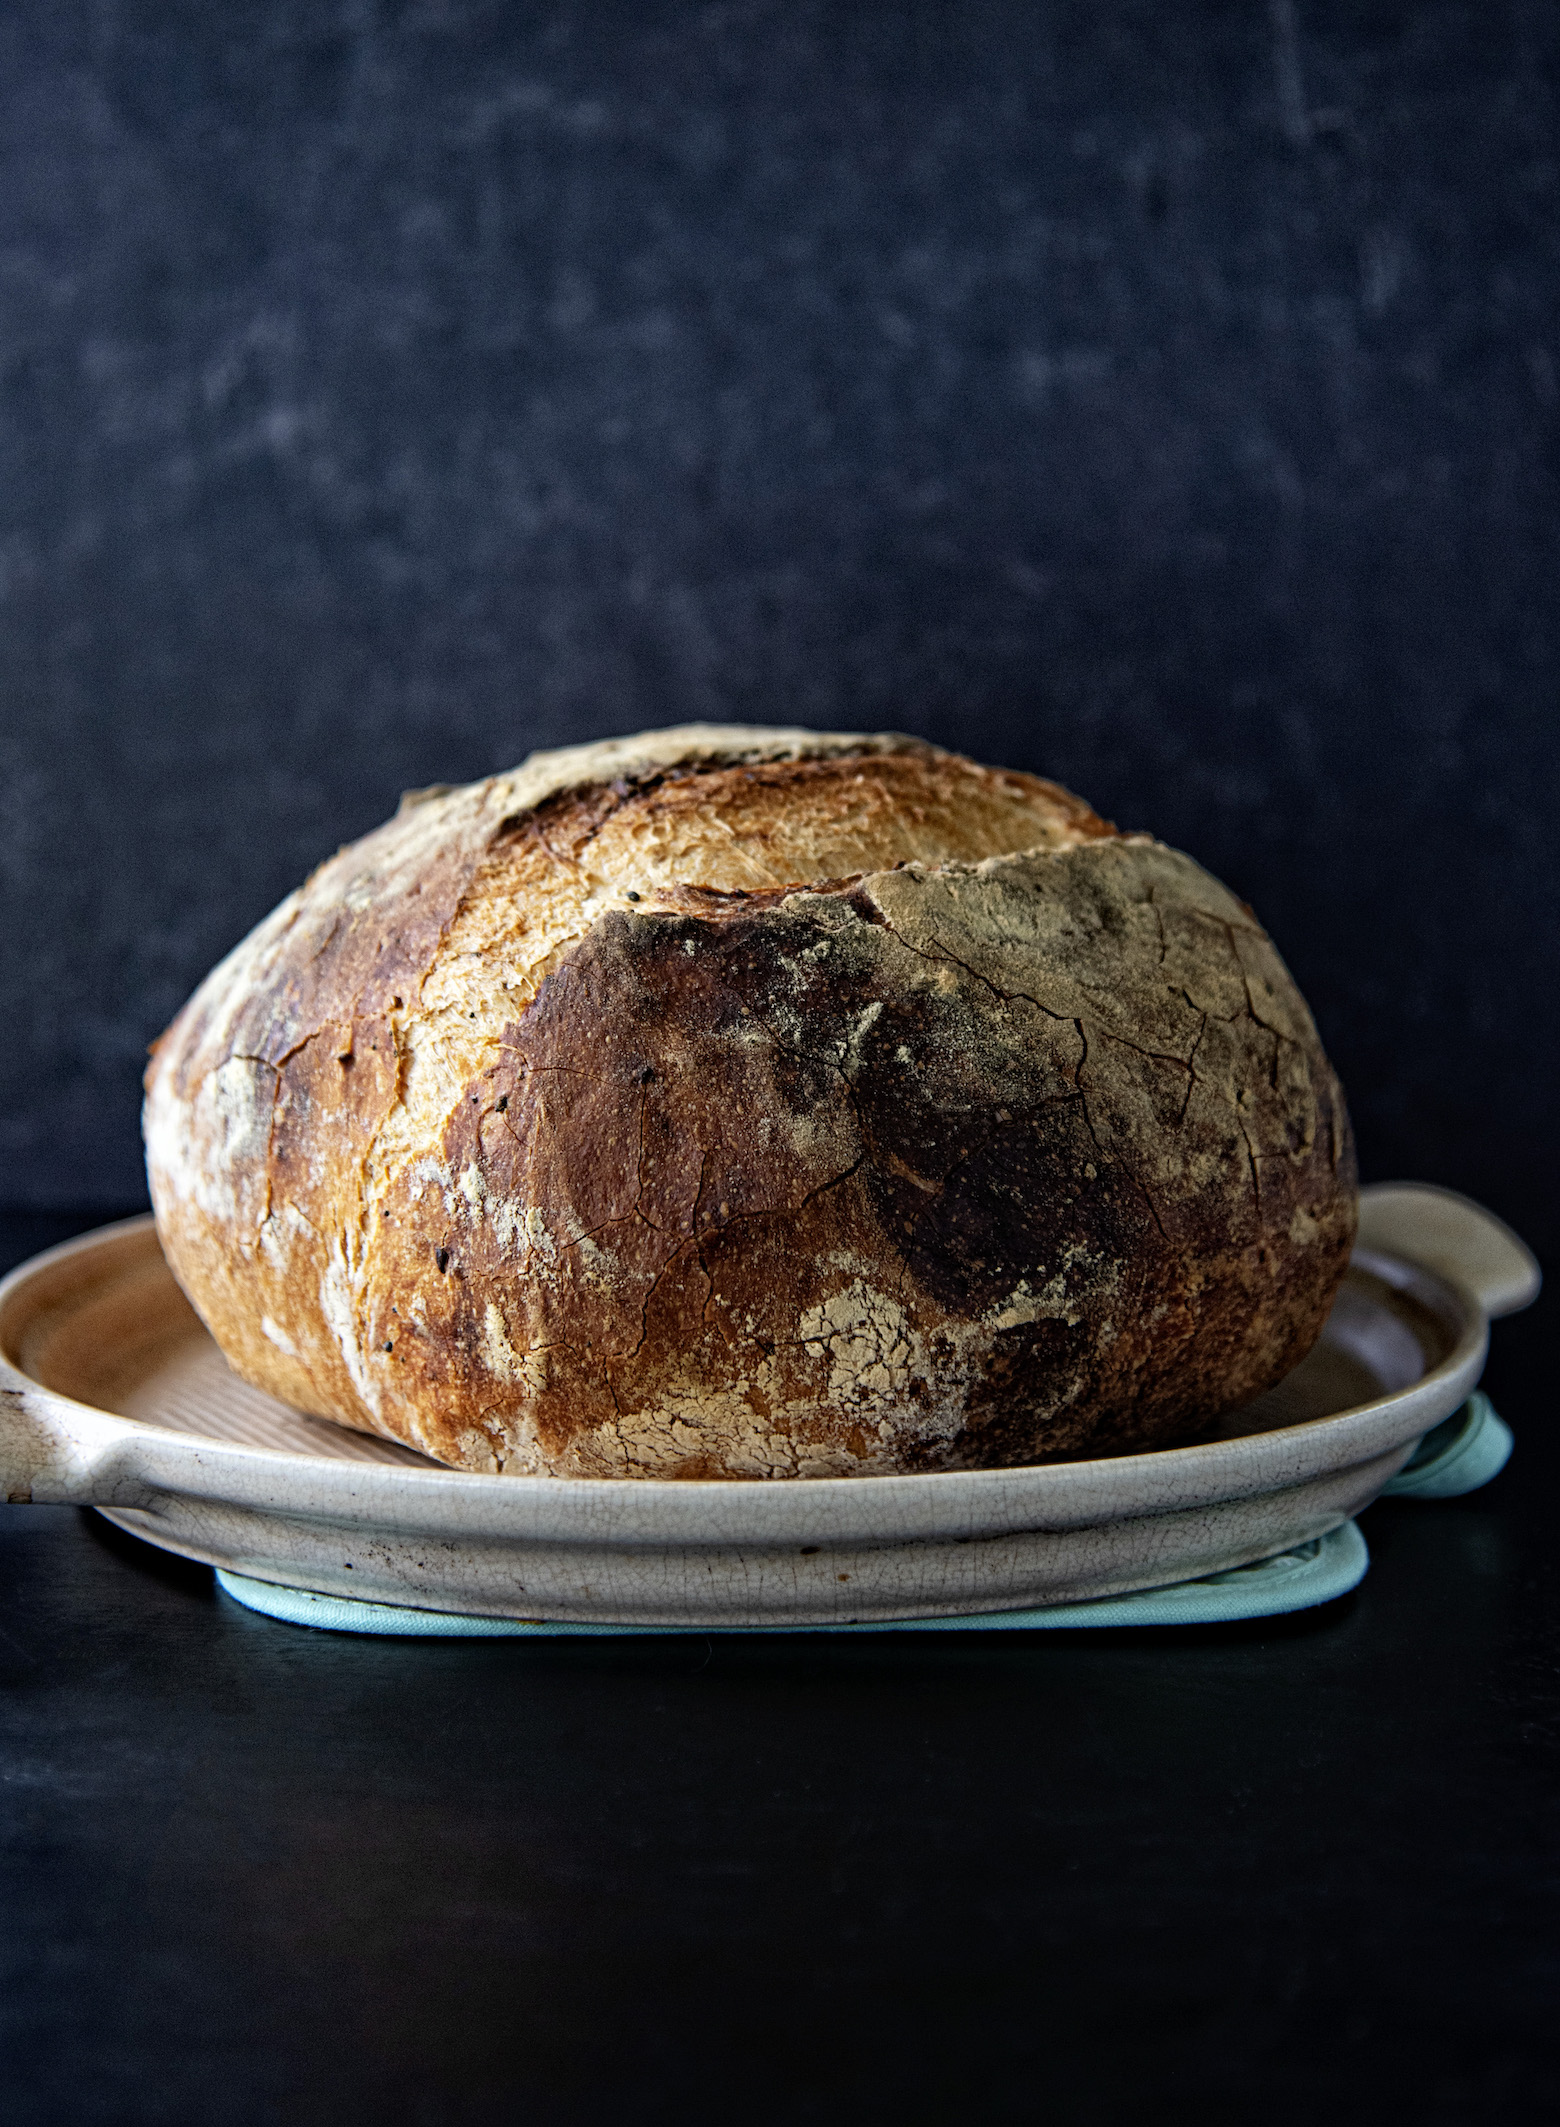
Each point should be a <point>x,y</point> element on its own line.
<point>1459,1456</point>
<point>1472,1446</point>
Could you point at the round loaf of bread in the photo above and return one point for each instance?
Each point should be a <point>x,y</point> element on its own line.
<point>734,1102</point>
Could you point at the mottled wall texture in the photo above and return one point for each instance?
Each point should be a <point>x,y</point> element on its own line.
<point>1158,395</point>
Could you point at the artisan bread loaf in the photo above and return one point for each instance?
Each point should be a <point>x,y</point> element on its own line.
<point>748,1103</point>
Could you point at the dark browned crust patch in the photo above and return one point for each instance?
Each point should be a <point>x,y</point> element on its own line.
<point>763,1165</point>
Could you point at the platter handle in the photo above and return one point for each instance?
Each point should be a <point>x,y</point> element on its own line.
<point>44,1462</point>
<point>1453,1236</point>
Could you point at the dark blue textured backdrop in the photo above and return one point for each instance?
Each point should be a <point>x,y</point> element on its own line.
<point>1159,395</point>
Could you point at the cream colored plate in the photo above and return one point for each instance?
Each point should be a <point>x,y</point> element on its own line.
<point>113,1395</point>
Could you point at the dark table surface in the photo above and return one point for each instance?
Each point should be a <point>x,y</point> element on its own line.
<point>1301,1869</point>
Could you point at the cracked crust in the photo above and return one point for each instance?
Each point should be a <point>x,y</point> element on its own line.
<point>735,1103</point>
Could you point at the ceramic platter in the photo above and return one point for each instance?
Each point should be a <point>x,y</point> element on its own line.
<point>112,1395</point>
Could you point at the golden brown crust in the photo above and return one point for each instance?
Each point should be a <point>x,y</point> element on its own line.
<point>854,1110</point>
